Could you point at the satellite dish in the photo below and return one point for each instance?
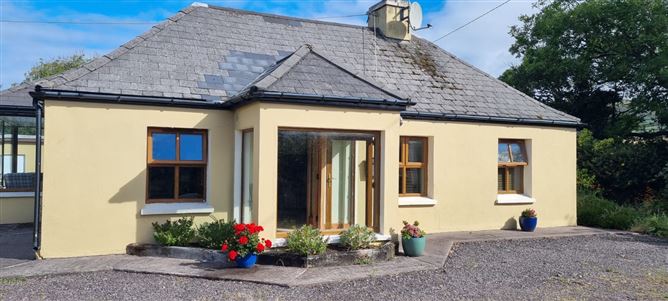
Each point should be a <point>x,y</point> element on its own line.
<point>415,15</point>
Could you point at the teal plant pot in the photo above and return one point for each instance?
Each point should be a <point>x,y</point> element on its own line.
<point>414,247</point>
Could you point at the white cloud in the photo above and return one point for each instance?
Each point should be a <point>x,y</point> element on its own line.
<point>483,43</point>
<point>23,44</point>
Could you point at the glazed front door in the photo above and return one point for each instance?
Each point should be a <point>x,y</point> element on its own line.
<point>326,179</point>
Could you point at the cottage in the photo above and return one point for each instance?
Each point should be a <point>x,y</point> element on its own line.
<point>285,122</point>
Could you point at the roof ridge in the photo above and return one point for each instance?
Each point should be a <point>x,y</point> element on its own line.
<point>76,73</point>
<point>282,67</point>
<point>359,75</point>
<point>283,16</point>
<point>493,78</point>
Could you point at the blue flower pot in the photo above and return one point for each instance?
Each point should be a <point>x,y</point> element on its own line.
<point>247,261</point>
<point>528,223</point>
<point>414,247</point>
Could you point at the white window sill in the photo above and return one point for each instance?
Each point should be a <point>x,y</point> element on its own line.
<point>514,199</point>
<point>176,208</point>
<point>17,194</point>
<point>416,201</point>
<point>331,239</point>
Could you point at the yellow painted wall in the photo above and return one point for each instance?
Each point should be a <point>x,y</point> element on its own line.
<point>95,173</point>
<point>273,116</point>
<point>95,169</point>
<point>463,168</point>
<point>28,150</point>
<point>16,210</point>
<point>463,162</point>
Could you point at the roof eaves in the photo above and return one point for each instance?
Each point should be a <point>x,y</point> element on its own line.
<point>491,119</point>
<point>319,100</point>
<point>114,98</point>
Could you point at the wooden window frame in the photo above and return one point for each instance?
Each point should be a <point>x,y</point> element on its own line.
<point>404,165</point>
<point>177,163</point>
<point>509,166</point>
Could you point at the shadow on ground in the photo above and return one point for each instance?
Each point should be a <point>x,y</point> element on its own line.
<point>15,244</point>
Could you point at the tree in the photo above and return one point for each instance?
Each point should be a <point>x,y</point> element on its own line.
<point>605,62</point>
<point>46,68</point>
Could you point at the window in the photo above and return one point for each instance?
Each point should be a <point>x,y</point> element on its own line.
<point>512,160</point>
<point>176,165</point>
<point>413,166</point>
<point>246,176</point>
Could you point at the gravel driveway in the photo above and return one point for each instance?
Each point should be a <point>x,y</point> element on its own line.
<point>603,267</point>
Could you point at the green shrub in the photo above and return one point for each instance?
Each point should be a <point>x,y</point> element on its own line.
<point>620,218</point>
<point>596,211</point>
<point>629,170</point>
<point>591,208</point>
<point>357,237</point>
<point>178,233</point>
<point>212,235</point>
<point>306,241</point>
<point>655,224</point>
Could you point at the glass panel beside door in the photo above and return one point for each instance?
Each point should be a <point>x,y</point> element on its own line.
<point>326,179</point>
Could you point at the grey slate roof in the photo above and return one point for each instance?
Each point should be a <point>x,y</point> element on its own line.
<point>213,53</point>
<point>309,73</point>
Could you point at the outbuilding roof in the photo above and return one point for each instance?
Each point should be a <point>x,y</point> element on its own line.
<point>215,54</point>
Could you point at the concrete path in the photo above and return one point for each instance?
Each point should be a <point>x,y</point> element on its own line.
<point>438,248</point>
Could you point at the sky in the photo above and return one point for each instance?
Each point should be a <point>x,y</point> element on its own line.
<point>483,43</point>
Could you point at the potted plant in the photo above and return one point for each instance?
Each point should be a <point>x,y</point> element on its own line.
<point>528,220</point>
<point>244,246</point>
<point>412,239</point>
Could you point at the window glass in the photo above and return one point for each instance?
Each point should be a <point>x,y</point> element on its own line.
<point>176,172</point>
<point>161,182</point>
<point>190,147</point>
<point>416,150</point>
<point>401,179</point>
<point>247,177</point>
<point>164,146</point>
<point>518,155</point>
<point>502,179</point>
<point>414,180</point>
<point>515,178</point>
<point>191,182</point>
<point>504,156</point>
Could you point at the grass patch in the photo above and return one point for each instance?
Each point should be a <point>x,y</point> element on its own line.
<point>365,260</point>
<point>12,280</point>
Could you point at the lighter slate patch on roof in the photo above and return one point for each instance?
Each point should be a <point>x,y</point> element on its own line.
<point>213,53</point>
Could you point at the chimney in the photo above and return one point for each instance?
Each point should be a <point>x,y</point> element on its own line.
<point>390,18</point>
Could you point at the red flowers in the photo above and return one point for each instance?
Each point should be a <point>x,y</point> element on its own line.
<point>246,241</point>
<point>232,255</point>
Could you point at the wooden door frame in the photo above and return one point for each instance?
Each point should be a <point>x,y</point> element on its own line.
<point>373,190</point>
